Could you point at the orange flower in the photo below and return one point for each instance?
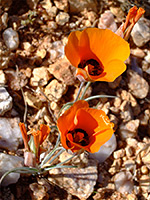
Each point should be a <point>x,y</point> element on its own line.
<point>133,16</point>
<point>85,128</point>
<point>97,54</point>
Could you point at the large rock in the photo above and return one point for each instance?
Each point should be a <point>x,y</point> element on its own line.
<point>141,32</point>
<point>77,181</point>
<point>9,162</point>
<point>10,135</point>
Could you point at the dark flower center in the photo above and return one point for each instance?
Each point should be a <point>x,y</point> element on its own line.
<point>78,136</point>
<point>95,68</point>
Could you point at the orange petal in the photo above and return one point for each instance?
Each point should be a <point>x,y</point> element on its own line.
<point>85,50</point>
<point>113,69</point>
<point>44,130</point>
<point>101,118</point>
<point>24,135</point>
<point>99,139</point>
<point>84,120</point>
<point>107,46</point>
<point>65,121</point>
<point>72,48</point>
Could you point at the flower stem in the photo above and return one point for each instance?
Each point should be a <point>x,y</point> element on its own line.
<point>79,91</point>
<point>85,89</point>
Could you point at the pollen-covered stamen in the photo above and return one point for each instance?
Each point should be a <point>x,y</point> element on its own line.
<point>95,68</point>
<point>78,136</point>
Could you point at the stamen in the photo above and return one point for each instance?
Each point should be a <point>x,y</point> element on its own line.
<point>79,136</point>
<point>95,68</point>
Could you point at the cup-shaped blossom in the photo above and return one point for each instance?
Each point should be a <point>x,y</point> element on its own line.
<point>84,128</point>
<point>98,54</point>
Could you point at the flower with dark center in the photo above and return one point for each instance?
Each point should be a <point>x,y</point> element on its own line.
<point>84,128</point>
<point>97,54</point>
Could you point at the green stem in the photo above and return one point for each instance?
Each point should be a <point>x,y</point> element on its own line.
<point>79,91</point>
<point>48,156</point>
<point>85,89</point>
<point>60,152</point>
<point>99,96</point>
<point>20,170</point>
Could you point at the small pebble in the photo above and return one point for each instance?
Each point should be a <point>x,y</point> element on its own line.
<point>5,101</point>
<point>119,153</point>
<point>144,170</point>
<point>130,165</point>
<point>62,18</point>
<point>129,151</point>
<point>11,38</point>
<point>123,182</point>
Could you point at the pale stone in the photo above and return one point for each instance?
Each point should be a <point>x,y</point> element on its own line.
<point>119,153</point>
<point>79,182</point>
<point>3,20</point>
<point>147,57</point>
<point>123,182</point>
<point>107,21</point>
<point>129,129</point>
<point>132,142</point>
<point>129,151</point>
<point>9,162</point>
<point>40,76</point>
<point>32,100</point>
<point>2,78</point>
<point>138,86</point>
<point>131,197</point>
<point>62,18</point>
<point>144,170</point>
<point>62,5</point>
<point>140,32</point>
<point>5,101</point>
<point>55,90</point>
<point>146,157</point>
<point>10,134</point>
<point>39,191</point>
<point>11,38</point>
<point>144,183</point>
<point>63,71</point>
<point>130,165</point>
<point>137,52</point>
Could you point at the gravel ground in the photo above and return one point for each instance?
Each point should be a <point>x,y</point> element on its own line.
<point>32,62</point>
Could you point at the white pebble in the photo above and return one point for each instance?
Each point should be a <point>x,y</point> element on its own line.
<point>5,101</point>
<point>11,38</point>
